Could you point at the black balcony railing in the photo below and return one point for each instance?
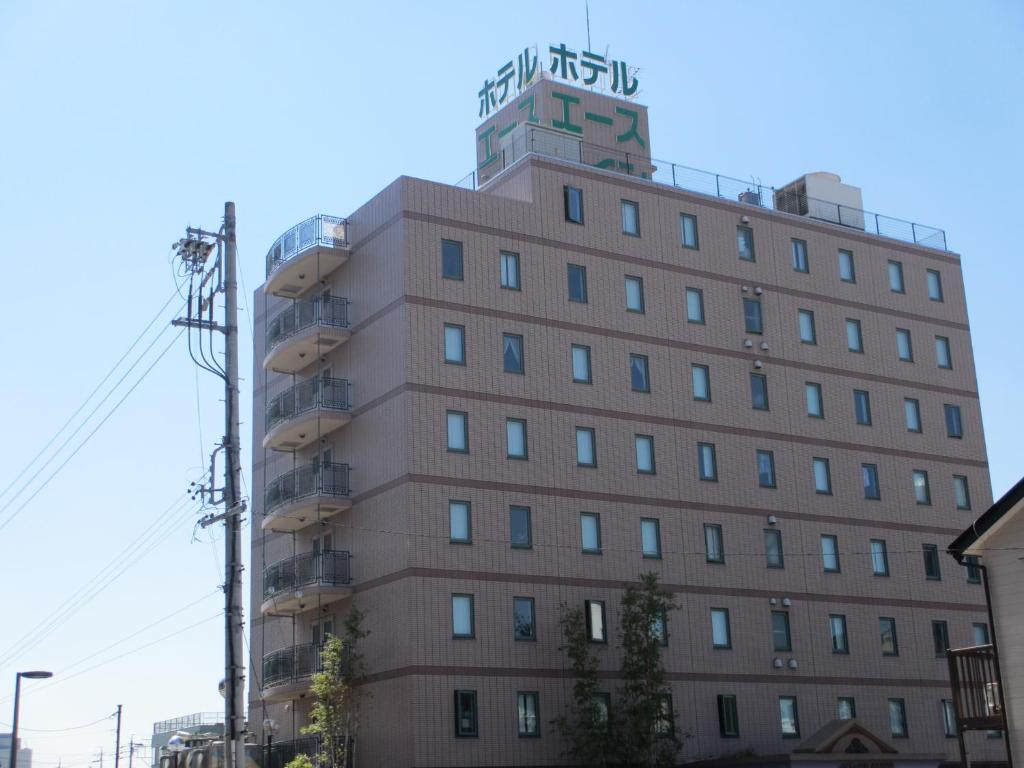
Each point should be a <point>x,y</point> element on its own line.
<point>290,665</point>
<point>305,313</point>
<point>279,753</point>
<point>331,568</point>
<point>977,698</point>
<point>319,479</point>
<point>310,395</point>
<point>329,231</point>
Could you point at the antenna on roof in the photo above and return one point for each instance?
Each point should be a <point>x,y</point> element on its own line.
<point>586,4</point>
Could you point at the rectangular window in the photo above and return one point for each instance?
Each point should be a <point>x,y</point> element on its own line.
<point>706,464</point>
<point>862,407</point>
<point>854,339</point>
<point>822,476</point>
<point>465,713</point>
<point>639,373</point>
<point>586,451</point>
<point>596,630</point>
<point>896,277</point>
<point>766,469</point>
<point>887,631</point>
<point>650,538</point>
<point>451,259</point>
<point>509,270</point>
<point>940,637</point>
<point>773,548</point>
<point>869,473</point>
<point>714,548</point>
<point>630,218</point>
<point>934,285</point>
<point>523,618</point>
<point>590,532</point>
<point>512,352</point>
<point>847,272</point>
<point>574,205</point>
<point>515,438</point>
<point>879,558</point>
<point>720,634</point>
<point>963,496</point>
<point>695,306</point>
<point>728,717</point>
<point>943,357</point>
<point>520,530</point>
<point>745,243</point>
<point>781,639</point>
<point>904,347</point>
<point>581,364</point>
<point>979,634</point>
<point>688,231</point>
<point>954,424</point>
<point>912,414</point>
<point>972,565</point>
<point>758,392</point>
<point>815,402</point>
<point>460,526</point>
<point>644,454</point>
<point>665,721</point>
<point>808,335</point>
<point>789,722</point>
<point>458,432</point>
<point>462,616</point>
<point>454,344</point>
<point>577,277</point>
<point>846,708</point>
<point>931,562</point>
<point>527,703</point>
<point>701,377</point>
<point>634,294</point>
<point>830,553</point>
<point>800,262</point>
<point>837,631</point>
<point>752,319</point>
<point>922,491</point>
<point>897,719</point>
<point>948,718</point>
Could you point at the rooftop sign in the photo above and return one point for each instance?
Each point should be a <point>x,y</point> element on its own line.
<point>565,64</point>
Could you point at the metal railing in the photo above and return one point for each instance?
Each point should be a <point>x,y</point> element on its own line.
<point>548,143</point>
<point>319,479</point>
<point>305,313</point>
<point>332,568</point>
<point>330,231</point>
<point>289,665</point>
<point>279,753</point>
<point>977,697</point>
<point>310,395</point>
<point>194,720</point>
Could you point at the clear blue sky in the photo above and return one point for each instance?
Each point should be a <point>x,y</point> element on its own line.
<point>123,121</point>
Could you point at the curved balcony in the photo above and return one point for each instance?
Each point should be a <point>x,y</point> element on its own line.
<point>306,494</point>
<point>299,334</point>
<point>306,411</point>
<point>287,672</point>
<point>306,254</point>
<point>309,580</point>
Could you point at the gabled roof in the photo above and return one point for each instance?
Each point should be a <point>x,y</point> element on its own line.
<point>825,739</point>
<point>990,519</point>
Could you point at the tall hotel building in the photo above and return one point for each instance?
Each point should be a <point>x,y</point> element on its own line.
<point>475,405</point>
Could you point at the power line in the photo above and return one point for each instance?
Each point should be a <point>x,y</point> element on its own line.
<point>61,730</point>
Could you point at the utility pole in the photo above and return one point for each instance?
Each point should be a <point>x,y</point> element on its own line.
<point>194,250</point>
<point>117,741</point>
<point>132,744</point>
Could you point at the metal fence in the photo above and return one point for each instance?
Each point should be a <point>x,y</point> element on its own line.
<point>330,231</point>
<point>315,310</point>
<point>331,568</point>
<point>312,394</point>
<point>188,721</point>
<point>541,141</point>
<point>290,665</point>
<point>279,753</point>
<point>318,479</point>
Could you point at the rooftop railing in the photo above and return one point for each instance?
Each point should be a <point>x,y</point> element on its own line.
<point>548,143</point>
<point>319,479</point>
<point>194,720</point>
<point>302,314</point>
<point>329,231</point>
<point>310,395</point>
<point>331,568</point>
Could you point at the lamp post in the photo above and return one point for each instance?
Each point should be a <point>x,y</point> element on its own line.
<point>37,675</point>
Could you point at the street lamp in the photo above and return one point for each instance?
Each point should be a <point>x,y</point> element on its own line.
<point>37,675</point>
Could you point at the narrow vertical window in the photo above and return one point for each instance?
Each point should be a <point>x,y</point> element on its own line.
<point>451,259</point>
<point>509,270</point>
<point>759,392</point>
<point>512,352</point>
<point>830,553</point>
<point>800,261</point>
<point>634,294</point>
<point>728,717</point>
<point>940,637</point>
<point>590,532</point>
<point>630,218</point>
<point>523,620</point>
<point>846,708</point>
<point>896,277</point>
<point>887,632</point>
<point>639,373</point>
<point>912,414</point>
<point>765,469</point>
<point>581,364</point>
<point>706,464</point>
<point>701,377</point>
<point>528,706</point>
<point>753,321</point>
<point>961,492</point>
<point>931,562</point>
<point>688,231</point>
<point>789,722</point>
<point>665,720</point>
<point>973,567</point>
<point>954,424</point>
<point>922,491</point>
<point>650,538</point>
<point>577,278</point>
<point>879,558</point>
<point>948,718</point>
<point>586,453</point>
<point>462,615</point>
<point>465,714</point>
<point>459,522</point>
<point>721,637</point>
<point>574,205</point>
<point>454,344</point>
<point>822,476</point>
<point>695,306</point>
<point>745,243</point>
<point>644,454</point>
<point>458,437</point>
<point>520,529</point>
<point>773,548</point>
<point>713,546</point>
<point>943,357</point>
<point>515,438</point>
<point>854,340</point>
<point>935,285</point>
<point>904,347</point>
<point>897,719</point>
<point>815,402</point>
<point>847,272</point>
<point>808,335</point>
<point>979,633</point>
<point>596,630</point>
<point>781,638</point>
<point>869,474</point>
<point>862,407</point>
<point>837,631</point>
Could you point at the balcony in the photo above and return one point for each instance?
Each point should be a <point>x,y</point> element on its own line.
<point>305,254</point>
<point>307,411</point>
<point>298,335</point>
<point>306,494</point>
<point>287,672</point>
<point>977,694</point>
<point>309,580</point>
